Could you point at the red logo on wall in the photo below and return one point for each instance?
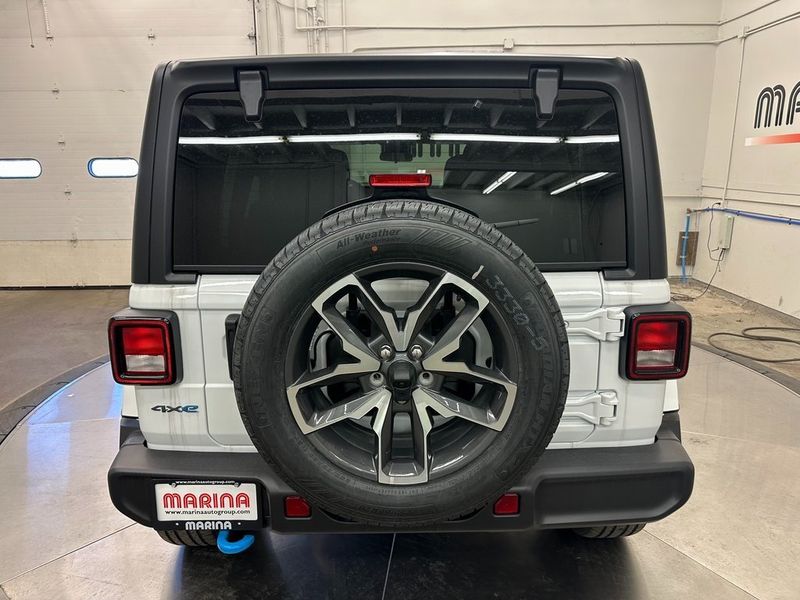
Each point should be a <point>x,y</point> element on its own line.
<point>772,105</point>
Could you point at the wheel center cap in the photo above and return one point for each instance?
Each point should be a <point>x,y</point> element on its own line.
<point>402,375</point>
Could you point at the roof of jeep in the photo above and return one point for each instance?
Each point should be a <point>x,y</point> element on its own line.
<point>395,56</point>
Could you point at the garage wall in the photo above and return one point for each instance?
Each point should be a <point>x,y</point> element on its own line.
<point>64,96</point>
<point>676,42</point>
<point>80,92</point>
<point>762,263</point>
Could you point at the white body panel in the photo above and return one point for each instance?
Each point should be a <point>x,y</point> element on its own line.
<point>602,408</point>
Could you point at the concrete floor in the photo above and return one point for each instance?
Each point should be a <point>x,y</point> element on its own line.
<point>720,311</point>
<point>738,537</point>
<point>46,332</point>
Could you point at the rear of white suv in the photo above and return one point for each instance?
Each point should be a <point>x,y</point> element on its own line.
<point>385,180</point>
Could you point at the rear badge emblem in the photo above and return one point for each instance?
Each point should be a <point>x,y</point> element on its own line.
<point>189,408</point>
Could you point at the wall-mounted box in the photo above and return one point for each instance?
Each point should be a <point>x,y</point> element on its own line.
<point>725,231</point>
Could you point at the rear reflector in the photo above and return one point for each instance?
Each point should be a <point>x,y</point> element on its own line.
<point>658,346</point>
<point>296,507</point>
<point>400,180</point>
<point>141,351</point>
<point>507,504</point>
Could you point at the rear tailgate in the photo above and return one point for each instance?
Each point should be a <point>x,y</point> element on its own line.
<point>579,294</point>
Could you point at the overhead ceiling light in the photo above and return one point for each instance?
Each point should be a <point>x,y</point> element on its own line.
<point>487,137</point>
<point>578,182</point>
<point>354,137</point>
<point>591,139</point>
<point>499,181</point>
<point>231,141</point>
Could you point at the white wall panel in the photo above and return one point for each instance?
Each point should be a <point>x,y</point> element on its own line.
<point>675,42</point>
<point>80,95</point>
<point>64,263</point>
<point>101,55</point>
<point>762,263</point>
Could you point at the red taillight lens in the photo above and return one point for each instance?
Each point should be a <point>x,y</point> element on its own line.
<point>145,340</point>
<point>507,504</point>
<point>141,351</point>
<point>400,180</point>
<point>296,507</point>
<point>658,346</point>
<point>657,335</point>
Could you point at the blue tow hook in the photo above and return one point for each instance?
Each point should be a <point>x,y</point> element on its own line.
<point>226,546</point>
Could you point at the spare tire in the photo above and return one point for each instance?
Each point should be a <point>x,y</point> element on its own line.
<point>401,363</point>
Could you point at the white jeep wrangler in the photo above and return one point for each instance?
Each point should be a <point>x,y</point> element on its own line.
<point>392,293</point>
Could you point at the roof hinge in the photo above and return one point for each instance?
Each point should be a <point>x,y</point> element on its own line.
<point>544,83</point>
<point>252,87</point>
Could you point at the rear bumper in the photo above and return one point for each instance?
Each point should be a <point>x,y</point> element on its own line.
<point>566,488</point>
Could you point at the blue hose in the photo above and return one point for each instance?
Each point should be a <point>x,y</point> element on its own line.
<point>752,215</point>
<point>684,279</point>
<point>228,547</point>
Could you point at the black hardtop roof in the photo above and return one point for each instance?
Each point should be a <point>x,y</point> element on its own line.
<point>174,82</point>
<point>388,70</point>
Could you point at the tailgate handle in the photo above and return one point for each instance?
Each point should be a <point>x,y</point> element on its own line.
<point>251,93</point>
<point>545,92</point>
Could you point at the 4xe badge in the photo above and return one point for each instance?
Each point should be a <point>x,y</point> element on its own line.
<point>188,408</point>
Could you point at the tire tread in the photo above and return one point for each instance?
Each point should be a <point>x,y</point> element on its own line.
<point>192,539</point>
<point>609,532</point>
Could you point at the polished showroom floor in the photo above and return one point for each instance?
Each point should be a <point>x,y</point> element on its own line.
<point>738,537</point>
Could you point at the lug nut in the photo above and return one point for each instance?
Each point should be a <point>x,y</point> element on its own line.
<point>385,352</point>
<point>415,352</point>
<point>376,379</point>
<point>425,378</point>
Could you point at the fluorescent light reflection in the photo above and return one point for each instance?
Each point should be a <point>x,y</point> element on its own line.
<point>591,139</point>
<point>481,137</point>
<point>388,137</point>
<point>578,182</point>
<point>499,181</point>
<point>298,139</point>
<point>354,137</point>
<point>231,141</point>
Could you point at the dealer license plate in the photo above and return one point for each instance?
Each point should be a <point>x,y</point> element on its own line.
<point>210,505</point>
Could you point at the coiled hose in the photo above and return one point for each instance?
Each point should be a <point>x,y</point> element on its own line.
<point>747,334</point>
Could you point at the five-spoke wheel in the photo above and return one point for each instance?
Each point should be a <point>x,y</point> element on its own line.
<point>402,373</point>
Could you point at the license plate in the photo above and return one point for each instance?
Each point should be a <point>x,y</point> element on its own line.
<point>210,505</point>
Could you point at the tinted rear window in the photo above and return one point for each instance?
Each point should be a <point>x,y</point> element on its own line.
<point>243,189</point>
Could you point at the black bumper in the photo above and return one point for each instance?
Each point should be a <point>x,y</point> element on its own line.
<point>566,488</point>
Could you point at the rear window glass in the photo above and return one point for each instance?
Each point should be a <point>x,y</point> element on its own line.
<point>243,189</point>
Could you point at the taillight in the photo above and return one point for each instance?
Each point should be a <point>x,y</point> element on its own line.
<point>400,180</point>
<point>142,351</point>
<point>658,346</point>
